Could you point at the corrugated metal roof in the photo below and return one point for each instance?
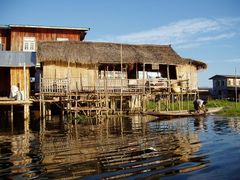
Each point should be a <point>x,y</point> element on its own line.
<point>17,59</point>
<point>45,27</point>
<point>4,26</point>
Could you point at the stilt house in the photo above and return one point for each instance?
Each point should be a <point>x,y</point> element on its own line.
<point>97,65</point>
<point>18,44</point>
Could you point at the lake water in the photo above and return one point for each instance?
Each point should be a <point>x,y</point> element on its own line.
<point>122,148</point>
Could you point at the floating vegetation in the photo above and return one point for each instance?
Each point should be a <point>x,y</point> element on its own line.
<point>81,119</point>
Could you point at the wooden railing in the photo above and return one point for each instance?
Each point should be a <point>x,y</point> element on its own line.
<point>54,85</point>
<point>107,85</point>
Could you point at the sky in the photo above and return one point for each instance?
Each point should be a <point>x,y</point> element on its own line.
<point>205,30</point>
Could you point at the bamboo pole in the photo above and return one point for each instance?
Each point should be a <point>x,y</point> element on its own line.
<point>159,105</point>
<point>143,84</point>
<point>106,96</point>
<point>95,77</point>
<point>40,94</point>
<point>144,78</point>
<point>25,82</point>
<point>75,113</point>
<point>169,85</point>
<point>236,98</point>
<point>121,104</point>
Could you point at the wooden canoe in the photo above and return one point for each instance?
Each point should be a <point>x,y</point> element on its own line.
<point>183,113</point>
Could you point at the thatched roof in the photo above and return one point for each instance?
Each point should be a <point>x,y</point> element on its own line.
<point>198,64</point>
<point>99,52</point>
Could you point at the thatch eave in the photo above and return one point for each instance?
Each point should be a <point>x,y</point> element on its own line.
<point>197,63</point>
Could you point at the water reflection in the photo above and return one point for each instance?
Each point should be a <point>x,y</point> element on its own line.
<point>200,123</point>
<point>118,147</point>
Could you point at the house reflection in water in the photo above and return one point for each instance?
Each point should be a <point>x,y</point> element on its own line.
<point>119,147</point>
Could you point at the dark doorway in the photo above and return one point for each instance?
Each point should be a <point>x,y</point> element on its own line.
<point>131,71</point>
<point>4,81</point>
<point>172,71</point>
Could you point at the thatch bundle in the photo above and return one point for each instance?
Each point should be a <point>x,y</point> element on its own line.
<point>99,52</point>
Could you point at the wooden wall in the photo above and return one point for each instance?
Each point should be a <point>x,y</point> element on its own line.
<point>17,35</point>
<point>17,76</point>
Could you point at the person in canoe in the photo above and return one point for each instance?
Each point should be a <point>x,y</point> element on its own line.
<point>199,105</point>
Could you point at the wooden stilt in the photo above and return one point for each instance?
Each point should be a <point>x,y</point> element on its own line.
<point>49,110</point>
<point>11,118</point>
<point>40,95</point>
<point>26,117</point>
<point>44,109</point>
<point>121,104</point>
<point>75,113</point>
<point>144,103</point>
<point>26,111</point>
<point>159,105</point>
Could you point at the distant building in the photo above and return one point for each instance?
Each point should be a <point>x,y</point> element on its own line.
<point>204,92</point>
<point>225,86</point>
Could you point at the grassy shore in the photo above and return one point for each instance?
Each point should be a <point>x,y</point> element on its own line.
<point>230,108</point>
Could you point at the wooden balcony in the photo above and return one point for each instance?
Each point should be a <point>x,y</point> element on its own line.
<point>64,86</point>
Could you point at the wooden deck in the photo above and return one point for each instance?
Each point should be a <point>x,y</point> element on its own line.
<point>15,102</point>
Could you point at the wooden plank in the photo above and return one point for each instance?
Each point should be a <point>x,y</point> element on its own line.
<point>15,102</point>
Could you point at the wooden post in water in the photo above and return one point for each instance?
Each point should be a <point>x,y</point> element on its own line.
<point>159,105</point>
<point>26,111</point>
<point>43,109</point>
<point>48,110</point>
<point>26,117</point>
<point>40,95</point>
<point>62,108</point>
<point>11,117</point>
<point>172,99</point>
